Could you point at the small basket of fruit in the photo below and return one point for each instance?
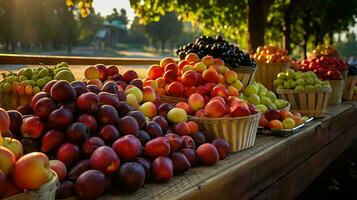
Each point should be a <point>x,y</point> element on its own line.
<point>305,92</point>
<point>239,127</point>
<point>350,83</point>
<point>217,47</point>
<point>270,61</point>
<point>332,69</point>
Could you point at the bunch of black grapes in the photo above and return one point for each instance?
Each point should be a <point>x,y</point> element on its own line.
<point>352,70</point>
<point>218,48</point>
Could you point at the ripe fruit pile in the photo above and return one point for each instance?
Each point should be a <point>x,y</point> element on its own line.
<point>299,81</point>
<point>258,95</point>
<point>217,107</point>
<point>271,54</point>
<point>207,76</point>
<point>15,167</point>
<point>101,134</point>
<point>324,50</point>
<point>30,81</point>
<point>218,48</point>
<point>325,67</point>
<point>275,119</point>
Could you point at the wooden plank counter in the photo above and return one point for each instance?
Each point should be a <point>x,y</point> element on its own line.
<point>275,168</point>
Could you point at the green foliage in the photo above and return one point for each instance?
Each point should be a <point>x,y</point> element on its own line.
<point>348,48</point>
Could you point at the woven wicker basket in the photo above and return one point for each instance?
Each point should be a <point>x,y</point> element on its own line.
<point>171,100</point>
<point>337,91</point>
<point>46,192</point>
<point>309,103</point>
<point>266,73</point>
<point>350,83</point>
<point>240,132</point>
<point>245,74</point>
<point>12,101</point>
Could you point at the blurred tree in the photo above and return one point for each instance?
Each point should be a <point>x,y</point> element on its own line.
<point>165,30</point>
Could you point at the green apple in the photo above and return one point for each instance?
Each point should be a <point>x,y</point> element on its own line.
<point>290,74</point>
<point>309,87</point>
<point>271,95</point>
<point>250,89</point>
<point>254,99</point>
<point>28,73</point>
<point>282,76</point>
<point>265,100</point>
<point>293,84</point>
<point>286,85</point>
<point>304,118</point>
<point>300,81</point>
<point>318,86</point>
<point>299,88</point>
<point>272,106</point>
<point>44,72</point>
<point>11,79</point>
<point>238,85</point>
<point>288,123</point>
<point>262,93</point>
<point>278,82</point>
<point>310,81</point>
<point>261,107</point>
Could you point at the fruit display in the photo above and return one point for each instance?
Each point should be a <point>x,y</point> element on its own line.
<point>207,76</point>
<point>271,54</point>
<point>218,48</point>
<point>300,81</point>
<point>115,136</point>
<point>324,50</point>
<point>19,172</point>
<point>263,99</point>
<point>276,119</point>
<point>30,81</point>
<point>326,68</point>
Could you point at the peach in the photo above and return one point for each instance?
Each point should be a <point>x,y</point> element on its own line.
<point>166,61</point>
<point>210,76</point>
<point>208,60</point>
<point>285,114</point>
<point>151,83</point>
<point>222,146</point>
<point>155,71</point>
<point>223,70</point>
<point>137,92</point>
<point>175,142</point>
<point>127,147</point>
<point>275,124</point>
<point>187,68</point>
<point>192,57</point>
<point>32,171</point>
<point>207,154</point>
<point>177,115</point>
<point>238,85</point>
<point>3,183</point>
<point>215,108</point>
<point>196,101</point>
<point>149,94</point>
<point>161,91</point>
<point>189,78</point>
<point>193,126</point>
<point>202,89</point>
<point>160,82</point>
<point>156,147</point>
<point>218,62</point>
<point>297,120</point>
<point>7,160</point>
<point>14,146</point>
<point>188,142</point>
<point>272,114</point>
<point>105,159</point>
<point>239,110</point>
<point>95,82</point>
<point>103,71</point>
<point>182,64</point>
<point>32,127</point>
<point>112,70</point>
<point>189,90</point>
<point>132,101</point>
<point>68,153</point>
<point>175,89</point>
<point>200,67</point>
<point>221,91</point>
<point>60,168</point>
<point>149,109</point>
<point>170,76</point>
<point>232,91</point>
<point>171,66</point>
<point>185,106</point>
<point>230,77</point>
<point>200,113</point>
<point>182,128</point>
<point>221,79</point>
<point>263,122</point>
<point>163,168</point>
<point>129,75</point>
<point>93,143</point>
<point>214,67</point>
<point>91,72</point>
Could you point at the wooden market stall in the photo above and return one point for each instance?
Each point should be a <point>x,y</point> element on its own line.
<point>275,168</point>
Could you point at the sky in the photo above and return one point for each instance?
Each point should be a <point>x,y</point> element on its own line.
<point>105,7</point>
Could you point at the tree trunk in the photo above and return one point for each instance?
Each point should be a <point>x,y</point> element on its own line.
<point>287,26</point>
<point>69,46</point>
<point>257,18</point>
<point>163,46</point>
<point>330,34</point>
